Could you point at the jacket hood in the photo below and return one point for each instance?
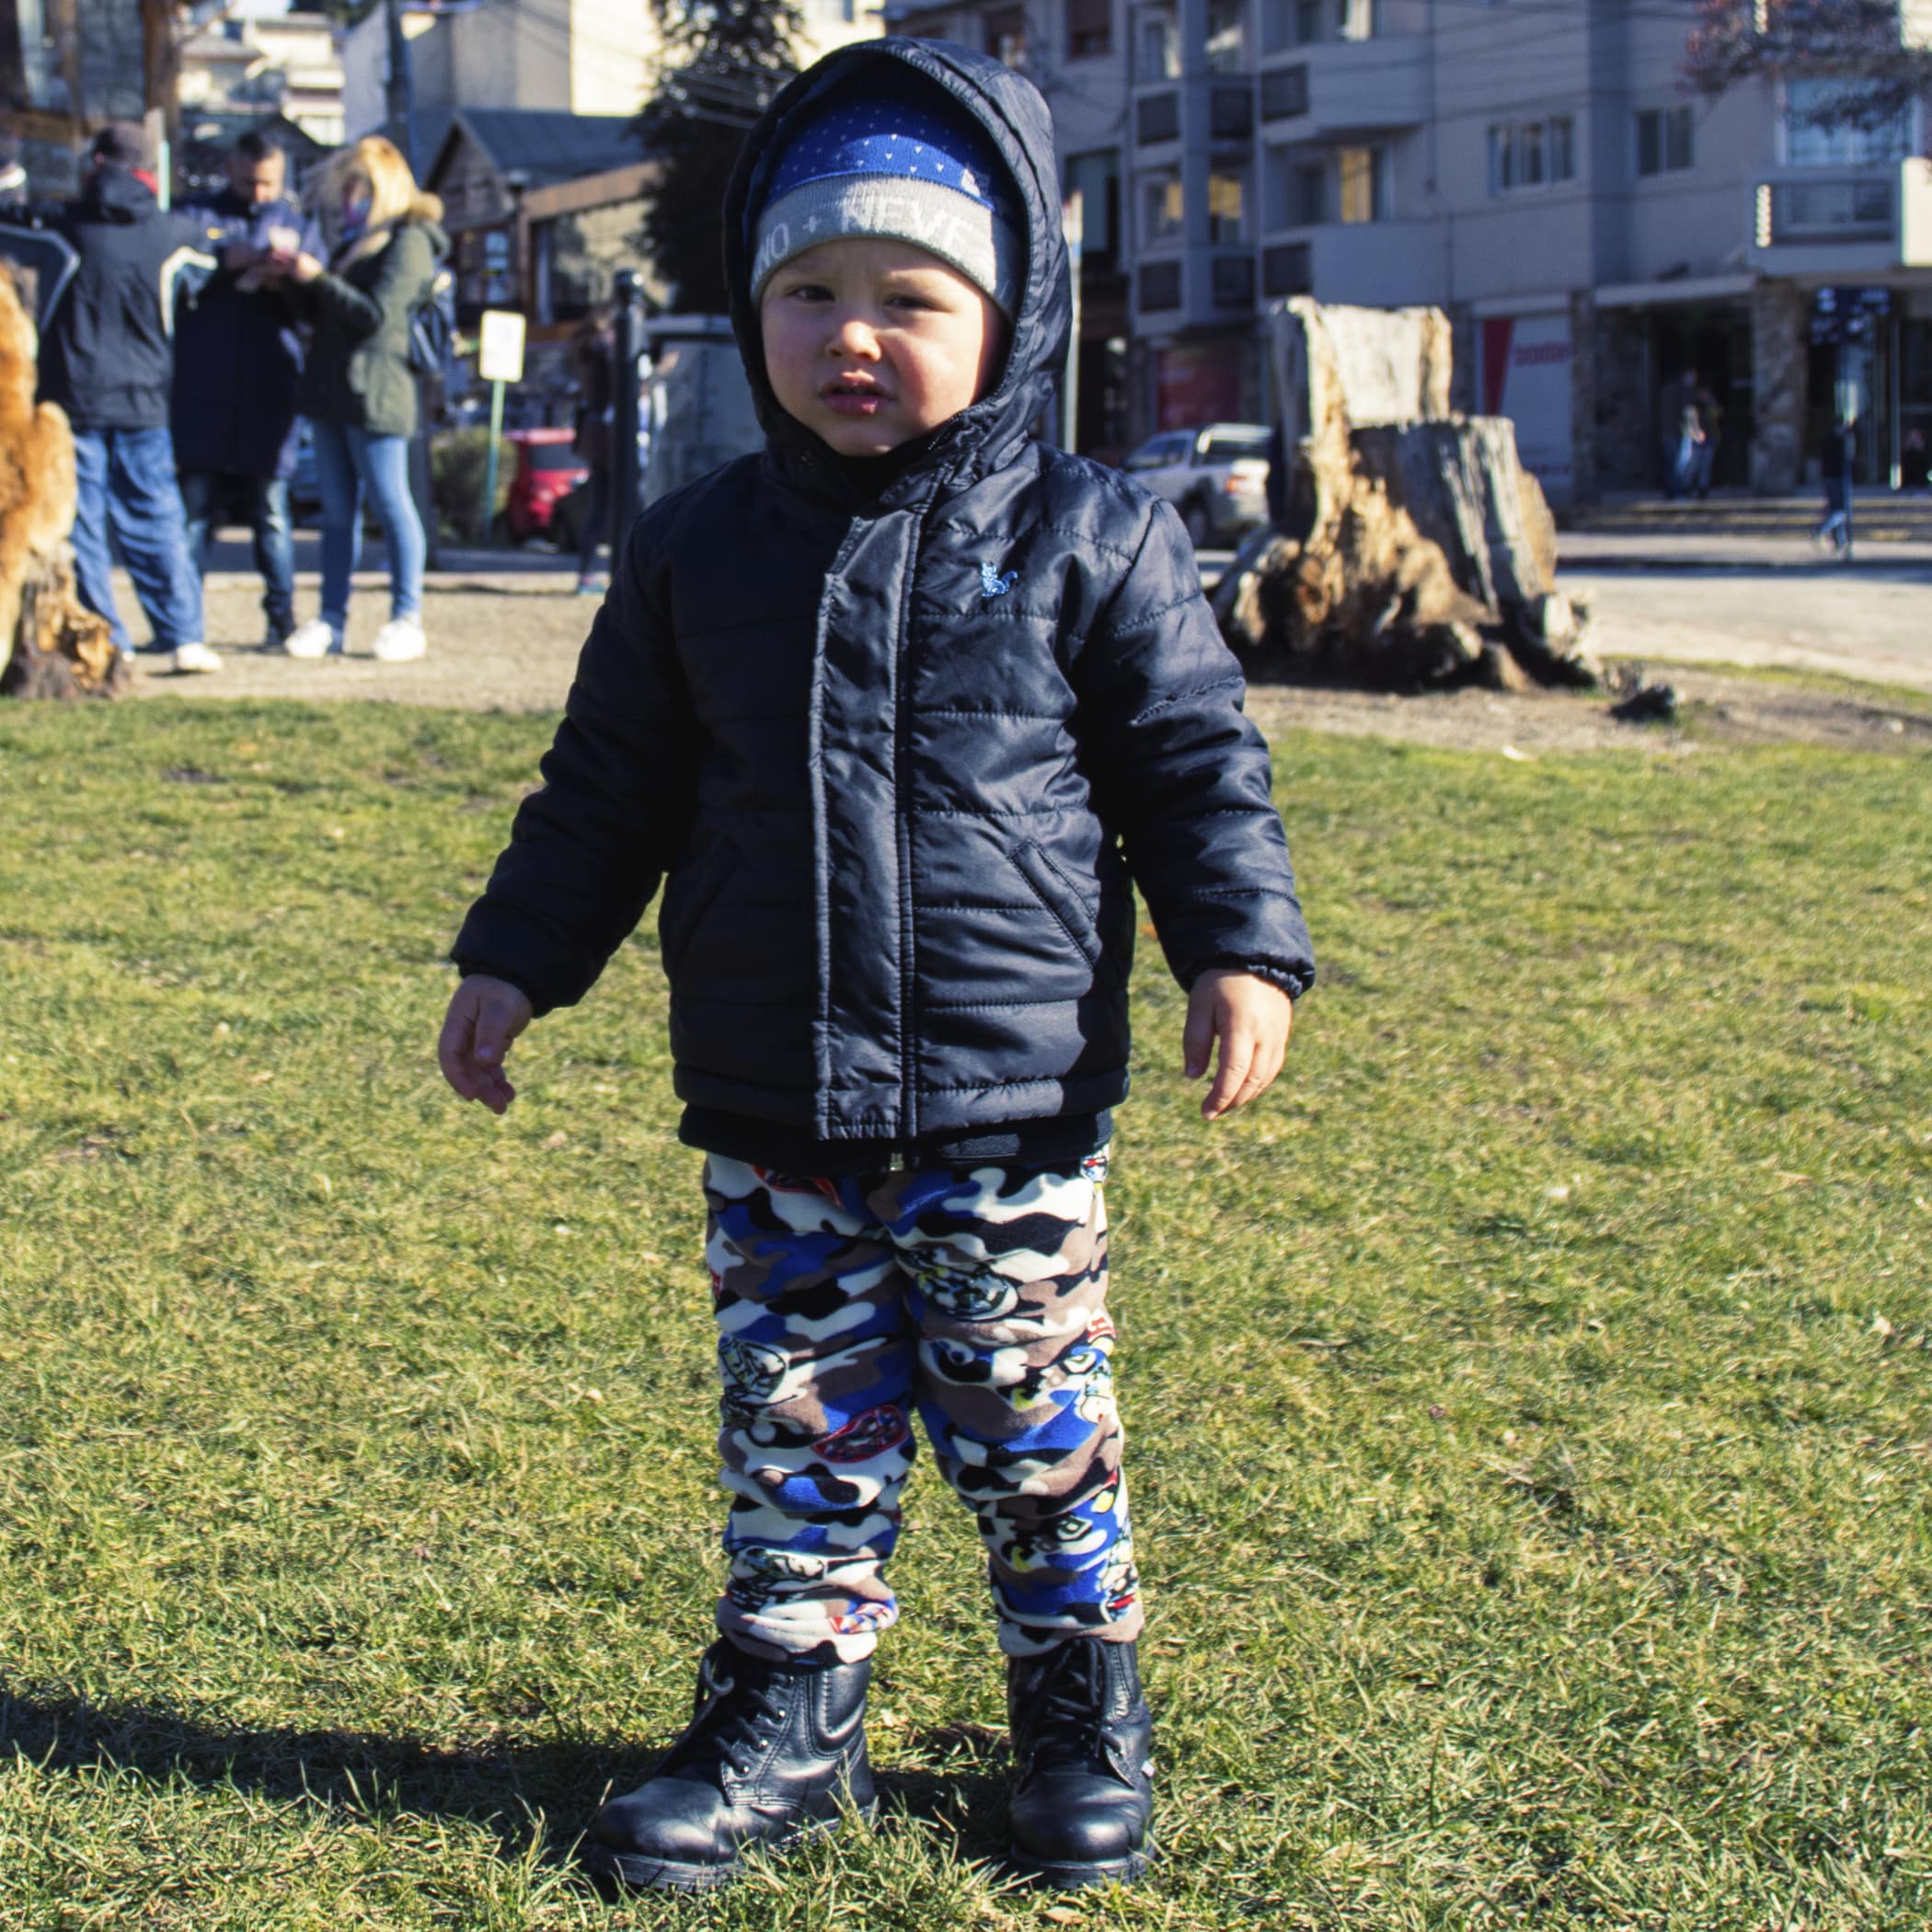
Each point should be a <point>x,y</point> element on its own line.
<point>113,194</point>
<point>1010,108</point>
<point>426,214</point>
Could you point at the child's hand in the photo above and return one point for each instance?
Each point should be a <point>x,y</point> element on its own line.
<point>485,1016</point>
<point>1252,1017</point>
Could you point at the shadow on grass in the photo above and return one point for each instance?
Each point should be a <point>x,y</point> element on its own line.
<point>501,1785</point>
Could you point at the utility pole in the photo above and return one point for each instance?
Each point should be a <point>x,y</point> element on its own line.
<point>401,100</point>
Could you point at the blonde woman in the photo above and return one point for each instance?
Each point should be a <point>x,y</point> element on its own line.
<point>357,389</point>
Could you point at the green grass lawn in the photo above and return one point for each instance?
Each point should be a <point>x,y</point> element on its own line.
<point>1528,1404</point>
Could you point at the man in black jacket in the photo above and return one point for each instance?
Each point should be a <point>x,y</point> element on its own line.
<point>903,707</point>
<point>238,355</point>
<point>107,358</point>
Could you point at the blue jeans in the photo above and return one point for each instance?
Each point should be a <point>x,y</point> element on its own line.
<point>125,483</point>
<point>266,501</point>
<point>348,462</point>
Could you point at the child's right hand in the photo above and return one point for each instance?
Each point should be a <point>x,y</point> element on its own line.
<point>485,1016</point>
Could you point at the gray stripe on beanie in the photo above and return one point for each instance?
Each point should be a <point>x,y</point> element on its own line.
<point>961,232</point>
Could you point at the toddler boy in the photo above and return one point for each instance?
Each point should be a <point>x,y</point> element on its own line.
<point>901,709</point>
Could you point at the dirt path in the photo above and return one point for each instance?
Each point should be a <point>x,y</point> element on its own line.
<point>509,641</point>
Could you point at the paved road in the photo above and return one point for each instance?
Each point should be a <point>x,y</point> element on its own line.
<point>1757,601</point>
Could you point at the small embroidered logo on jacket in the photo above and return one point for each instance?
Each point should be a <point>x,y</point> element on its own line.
<point>992,584</point>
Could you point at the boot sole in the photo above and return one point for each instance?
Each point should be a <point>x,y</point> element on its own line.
<point>639,1873</point>
<point>1053,1877</point>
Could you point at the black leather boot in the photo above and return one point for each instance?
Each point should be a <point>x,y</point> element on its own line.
<point>1083,1795</point>
<point>772,1752</point>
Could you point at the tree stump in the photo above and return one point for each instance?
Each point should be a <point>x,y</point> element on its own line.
<point>51,645</point>
<point>61,649</point>
<point>1421,551</point>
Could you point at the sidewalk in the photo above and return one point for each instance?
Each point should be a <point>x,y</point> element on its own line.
<point>1732,551</point>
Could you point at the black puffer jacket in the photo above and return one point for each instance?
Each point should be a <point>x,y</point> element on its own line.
<point>903,759</point>
<point>108,354</point>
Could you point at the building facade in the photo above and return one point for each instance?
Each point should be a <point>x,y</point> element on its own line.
<point>1540,172</point>
<point>593,57</point>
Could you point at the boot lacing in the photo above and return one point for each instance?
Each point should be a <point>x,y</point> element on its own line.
<point>728,1727</point>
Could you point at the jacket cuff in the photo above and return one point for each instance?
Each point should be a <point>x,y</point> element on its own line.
<point>1294,981</point>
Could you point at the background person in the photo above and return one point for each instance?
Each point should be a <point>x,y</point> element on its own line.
<point>108,359</point>
<point>358,389</point>
<point>594,351</point>
<point>238,357</point>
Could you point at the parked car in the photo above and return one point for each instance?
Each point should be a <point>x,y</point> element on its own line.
<point>547,470</point>
<point>1215,476</point>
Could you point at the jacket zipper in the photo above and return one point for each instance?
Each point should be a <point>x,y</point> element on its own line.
<point>902,734</point>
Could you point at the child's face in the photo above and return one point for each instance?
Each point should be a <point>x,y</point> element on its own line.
<point>871,341</point>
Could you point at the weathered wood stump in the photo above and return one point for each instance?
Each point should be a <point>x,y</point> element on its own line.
<point>51,645</point>
<point>1420,551</point>
<point>61,649</point>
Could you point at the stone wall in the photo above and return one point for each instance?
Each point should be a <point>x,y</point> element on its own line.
<point>1612,411</point>
<point>1780,341</point>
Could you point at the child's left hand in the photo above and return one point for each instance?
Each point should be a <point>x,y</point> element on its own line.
<point>1252,1017</point>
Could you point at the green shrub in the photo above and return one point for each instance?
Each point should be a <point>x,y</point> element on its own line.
<point>458,461</point>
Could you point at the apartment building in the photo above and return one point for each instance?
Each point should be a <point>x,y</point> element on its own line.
<point>576,56</point>
<point>1075,53</point>
<point>1536,167</point>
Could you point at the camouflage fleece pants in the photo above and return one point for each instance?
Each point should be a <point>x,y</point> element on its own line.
<point>979,1297</point>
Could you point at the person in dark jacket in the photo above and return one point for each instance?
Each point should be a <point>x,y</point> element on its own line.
<point>358,388</point>
<point>106,357</point>
<point>902,709</point>
<point>593,354</point>
<point>238,355</point>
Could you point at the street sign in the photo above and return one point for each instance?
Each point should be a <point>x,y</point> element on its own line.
<point>500,357</point>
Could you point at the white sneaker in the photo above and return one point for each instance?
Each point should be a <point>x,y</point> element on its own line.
<point>399,642</point>
<point>312,639</point>
<point>196,657</point>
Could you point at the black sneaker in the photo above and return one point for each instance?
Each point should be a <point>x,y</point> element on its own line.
<point>1083,1795</point>
<point>772,1753</point>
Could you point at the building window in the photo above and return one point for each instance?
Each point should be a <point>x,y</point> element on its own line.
<point>1097,179</point>
<point>1226,36</point>
<point>1089,28</point>
<point>1225,202</point>
<point>1664,140</point>
<point>1006,35</point>
<point>1156,117</point>
<point>1845,144</point>
<point>1157,45</point>
<point>1160,208</point>
<point>1531,154</point>
<point>1284,92</point>
<point>1361,184</point>
<point>1296,187</point>
<point>1310,17</point>
<point>1355,19</point>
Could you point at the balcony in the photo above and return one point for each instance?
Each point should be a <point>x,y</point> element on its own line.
<point>1339,89</point>
<point>1842,220</point>
<point>1366,264</point>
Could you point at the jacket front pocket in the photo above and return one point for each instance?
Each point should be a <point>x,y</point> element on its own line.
<point>689,893</point>
<point>1057,894</point>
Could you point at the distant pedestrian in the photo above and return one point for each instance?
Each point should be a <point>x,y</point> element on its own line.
<point>358,388</point>
<point>1834,532</point>
<point>1678,432</point>
<point>108,359</point>
<point>1708,428</point>
<point>593,350</point>
<point>238,357</point>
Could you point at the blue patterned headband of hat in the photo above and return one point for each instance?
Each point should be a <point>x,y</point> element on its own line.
<point>906,169</point>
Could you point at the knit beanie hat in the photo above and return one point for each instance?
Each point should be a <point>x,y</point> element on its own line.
<point>920,170</point>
